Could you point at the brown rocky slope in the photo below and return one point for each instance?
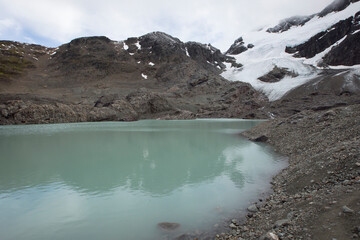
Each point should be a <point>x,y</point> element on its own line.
<point>317,196</point>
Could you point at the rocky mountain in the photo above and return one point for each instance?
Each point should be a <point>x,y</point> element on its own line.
<point>308,62</point>
<point>97,79</point>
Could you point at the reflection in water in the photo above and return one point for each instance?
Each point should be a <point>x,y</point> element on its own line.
<point>96,180</point>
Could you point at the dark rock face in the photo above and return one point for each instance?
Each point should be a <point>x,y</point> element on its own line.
<point>350,46</point>
<point>162,47</point>
<point>206,53</point>
<point>238,47</point>
<point>336,6</point>
<point>346,53</point>
<point>287,23</point>
<point>276,75</point>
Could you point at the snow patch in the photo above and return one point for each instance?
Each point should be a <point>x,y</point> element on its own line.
<point>144,76</point>
<point>132,54</point>
<point>187,52</point>
<point>139,62</point>
<point>126,47</point>
<point>356,32</point>
<point>137,44</point>
<point>151,63</point>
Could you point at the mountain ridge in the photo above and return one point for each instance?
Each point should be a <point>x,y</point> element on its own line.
<point>262,75</point>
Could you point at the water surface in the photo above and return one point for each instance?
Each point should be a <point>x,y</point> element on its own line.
<point>119,180</point>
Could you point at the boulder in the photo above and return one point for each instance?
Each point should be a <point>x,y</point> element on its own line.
<point>168,226</point>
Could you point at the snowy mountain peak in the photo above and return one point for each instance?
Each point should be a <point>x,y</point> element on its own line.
<point>312,43</point>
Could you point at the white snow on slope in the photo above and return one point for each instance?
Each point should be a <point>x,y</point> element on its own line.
<point>269,51</point>
<point>151,63</point>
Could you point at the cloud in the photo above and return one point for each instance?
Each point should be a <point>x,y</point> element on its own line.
<point>208,21</point>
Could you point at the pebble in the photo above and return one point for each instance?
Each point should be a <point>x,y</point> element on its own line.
<point>282,223</point>
<point>232,226</point>
<point>252,208</point>
<point>347,209</point>
<point>269,236</point>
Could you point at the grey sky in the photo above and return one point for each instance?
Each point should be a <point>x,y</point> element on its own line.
<point>53,22</point>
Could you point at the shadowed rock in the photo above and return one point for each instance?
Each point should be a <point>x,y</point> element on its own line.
<point>168,226</point>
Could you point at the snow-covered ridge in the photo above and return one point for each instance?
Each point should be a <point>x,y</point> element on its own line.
<point>269,51</point>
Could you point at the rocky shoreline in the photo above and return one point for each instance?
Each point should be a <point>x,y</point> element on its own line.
<point>317,195</point>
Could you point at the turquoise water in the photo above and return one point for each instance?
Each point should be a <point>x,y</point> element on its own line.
<point>119,180</point>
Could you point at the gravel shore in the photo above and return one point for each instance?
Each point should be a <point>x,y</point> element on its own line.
<point>317,196</point>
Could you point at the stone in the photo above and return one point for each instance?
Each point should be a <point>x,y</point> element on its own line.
<point>269,236</point>
<point>168,226</point>
<point>261,138</point>
<point>276,74</point>
<point>346,209</point>
<point>232,225</point>
<point>252,208</point>
<point>282,223</point>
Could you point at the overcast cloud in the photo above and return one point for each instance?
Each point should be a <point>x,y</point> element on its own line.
<point>219,22</point>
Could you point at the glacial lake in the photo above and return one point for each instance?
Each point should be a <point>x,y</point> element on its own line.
<point>118,180</point>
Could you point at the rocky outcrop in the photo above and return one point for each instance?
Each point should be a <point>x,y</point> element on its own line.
<point>207,54</point>
<point>27,112</point>
<point>276,74</point>
<point>146,102</point>
<point>350,47</point>
<point>238,47</point>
